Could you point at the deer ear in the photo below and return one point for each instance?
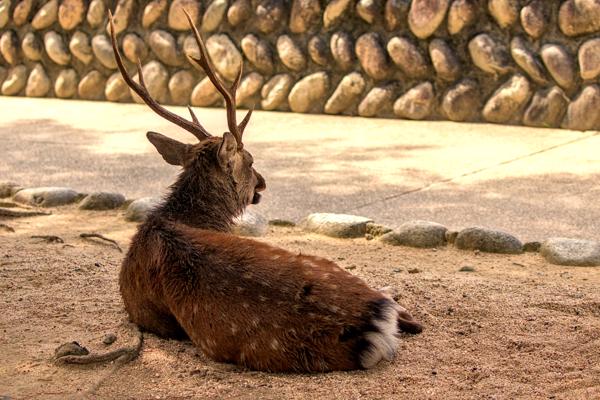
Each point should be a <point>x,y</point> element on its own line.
<point>227,150</point>
<point>171,150</point>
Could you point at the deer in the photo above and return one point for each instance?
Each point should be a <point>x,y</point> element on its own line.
<point>242,301</point>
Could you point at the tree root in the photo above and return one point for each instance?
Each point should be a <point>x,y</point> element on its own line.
<point>6,212</point>
<point>123,354</point>
<point>99,236</point>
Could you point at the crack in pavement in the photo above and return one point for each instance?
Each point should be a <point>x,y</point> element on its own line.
<point>473,172</point>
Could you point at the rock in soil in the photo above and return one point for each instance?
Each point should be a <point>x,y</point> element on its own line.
<point>47,196</point>
<point>138,210</point>
<point>422,234</point>
<point>572,252</point>
<point>336,225</point>
<point>251,224</point>
<point>488,240</point>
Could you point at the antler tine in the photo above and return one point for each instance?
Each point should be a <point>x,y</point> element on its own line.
<point>193,127</point>
<point>228,94</point>
<point>245,121</point>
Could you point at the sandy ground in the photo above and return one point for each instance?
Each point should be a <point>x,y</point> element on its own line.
<point>515,328</point>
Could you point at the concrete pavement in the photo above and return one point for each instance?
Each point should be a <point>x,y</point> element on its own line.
<point>532,182</point>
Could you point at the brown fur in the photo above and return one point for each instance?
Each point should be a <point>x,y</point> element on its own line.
<point>239,300</point>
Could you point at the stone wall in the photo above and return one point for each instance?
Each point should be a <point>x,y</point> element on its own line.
<point>504,61</point>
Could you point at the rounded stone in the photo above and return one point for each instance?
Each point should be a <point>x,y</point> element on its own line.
<point>372,56</point>
<point>571,252</point>
<point>4,12</point>
<point>305,15</point>
<point>487,240</point>
<point>102,48</point>
<point>368,10</point>
<point>425,16</point>
<point>15,80</point>
<point>462,101</point>
<point>582,113</point>
<point>102,201</point>
<point>81,48</point>
<point>9,47</point>
<point>505,12</point>
<point>239,12</point>
<point>559,64</point>
<point>346,94</point>
<point>274,93</point>
<point>21,12</point>
<point>341,46</point>
<point>65,85</point>
<point>116,89</point>
<point>258,52</point>
<point>38,83</point>
<point>318,51</point>
<point>250,223</point>
<point>395,14</point>
<point>70,349</point>
<point>225,56</point>
<point>377,101</point>
<point>46,196</point>
<point>462,14</point>
<point>96,13</point>
<point>152,12</point>
<point>547,108</point>
<point>334,12</point>
<point>156,78</point>
<point>269,15</point>
<point>336,225</point>
<point>508,100</point>
<point>70,13</point>
<point>417,103</point>
<point>308,93</point>
<point>56,49</point>
<point>45,16</point>
<point>445,63</point>
<point>422,234</point>
<point>205,94</point>
<point>290,53</point>
<point>534,18</point>
<point>406,55</point>
<point>109,338</point>
<point>139,209</point>
<point>577,17</point>
<point>180,86</point>
<point>528,62</point>
<point>589,59</point>
<point>91,86</point>
<point>213,15</point>
<point>164,46</point>
<point>32,46</point>
<point>134,48</point>
<point>122,15</point>
<point>249,88</point>
<point>489,55</point>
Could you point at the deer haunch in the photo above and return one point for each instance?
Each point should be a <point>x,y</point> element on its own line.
<point>245,302</point>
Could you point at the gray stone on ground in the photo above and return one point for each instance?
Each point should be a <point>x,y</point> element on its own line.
<point>336,225</point>
<point>139,209</point>
<point>102,201</point>
<point>422,234</point>
<point>251,223</point>
<point>46,196</point>
<point>488,240</point>
<point>571,252</point>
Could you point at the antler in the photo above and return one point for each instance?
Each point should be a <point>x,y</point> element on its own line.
<point>193,127</point>
<point>228,93</point>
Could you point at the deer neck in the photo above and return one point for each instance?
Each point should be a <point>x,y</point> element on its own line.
<point>200,202</point>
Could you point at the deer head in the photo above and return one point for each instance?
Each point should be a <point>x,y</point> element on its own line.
<point>222,160</point>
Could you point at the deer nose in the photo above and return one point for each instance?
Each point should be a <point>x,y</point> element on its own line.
<point>260,184</point>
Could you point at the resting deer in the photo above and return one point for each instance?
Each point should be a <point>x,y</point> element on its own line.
<point>242,301</point>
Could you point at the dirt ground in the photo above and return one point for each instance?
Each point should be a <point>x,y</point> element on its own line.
<point>516,327</point>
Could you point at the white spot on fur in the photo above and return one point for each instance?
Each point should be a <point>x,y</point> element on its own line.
<point>276,257</point>
<point>275,344</point>
<point>333,287</point>
<point>247,275</point>
<point>234,328</point>
<point>263,298</point>
<point>253,346</point>
<point>255,322</point>
<point>245,305</point>
<point>239,289</point>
